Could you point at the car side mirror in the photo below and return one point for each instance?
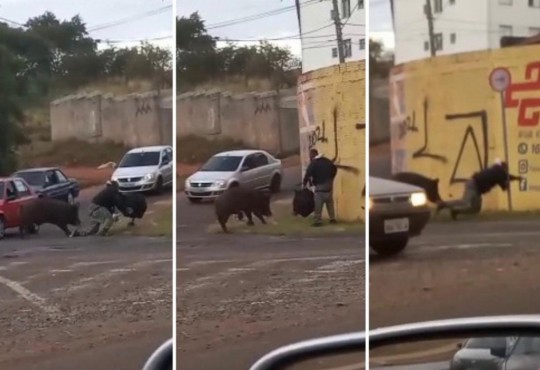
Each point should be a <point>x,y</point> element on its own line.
<point>498,352</point>
<point>245,168</point>
<point>459,345</point>
<point>11,197</point>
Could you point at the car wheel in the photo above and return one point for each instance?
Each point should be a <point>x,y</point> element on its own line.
<point>389,248</point>
<point>159,185</point>
<point>195,200</point>
<point>34,229</point>
<point>275,184</point>
<point>70,199</point>
<point>234,185</point>
<point>2,228</point>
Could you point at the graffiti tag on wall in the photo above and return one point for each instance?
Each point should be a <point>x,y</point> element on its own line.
<point>142,106</point>
<point>262,106</point>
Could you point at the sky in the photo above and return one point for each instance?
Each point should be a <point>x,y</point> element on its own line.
<point>216,11</point>
<point>380,22</point>
<point>137,25</point>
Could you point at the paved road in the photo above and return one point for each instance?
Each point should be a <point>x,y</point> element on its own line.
<point>459,269</point>
<point>241,296</point>
<point>85,303</point>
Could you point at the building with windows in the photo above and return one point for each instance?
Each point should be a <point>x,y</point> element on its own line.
<point>460,26</point>
<point>318,32</point>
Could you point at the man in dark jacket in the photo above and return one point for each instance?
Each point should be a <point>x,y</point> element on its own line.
<point>103,210</point>
<point>481,183</point>
<point>321,173</point>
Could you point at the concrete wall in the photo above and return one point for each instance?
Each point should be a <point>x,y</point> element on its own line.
<point>266,120</point>
<point>134,120</point>
<point>332,119</point>
<point>447,121</point>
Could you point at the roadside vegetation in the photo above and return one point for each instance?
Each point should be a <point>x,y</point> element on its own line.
<point>47,58</point>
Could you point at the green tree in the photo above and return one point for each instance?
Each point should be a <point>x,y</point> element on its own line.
<point>10,112</point>
<point>378,65</point>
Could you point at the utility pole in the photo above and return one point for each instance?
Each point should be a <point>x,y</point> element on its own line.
<point>429,16</point>
<point>339,34</point>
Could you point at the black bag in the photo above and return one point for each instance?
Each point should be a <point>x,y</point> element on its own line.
<point>303,202</point>
<point>135,205</point>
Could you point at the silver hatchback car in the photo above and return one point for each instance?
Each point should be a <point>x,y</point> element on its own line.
<point>254,169</point>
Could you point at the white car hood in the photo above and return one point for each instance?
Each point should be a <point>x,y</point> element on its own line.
<point>134,171</point>
<point>203,176</point>
<point>381,187</point>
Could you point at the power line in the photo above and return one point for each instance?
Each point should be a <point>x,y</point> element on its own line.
<point>129,19</point>
<point>112,41</point>
<point>12,22</point>
<point>287,38</point>
<point>254,17</point>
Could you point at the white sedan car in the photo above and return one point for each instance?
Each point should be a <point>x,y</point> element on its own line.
<point>254,169</point>
<point>145,169</point>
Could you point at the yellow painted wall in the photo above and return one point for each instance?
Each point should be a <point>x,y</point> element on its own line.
<point>332,119</point>
<point>445,106</point>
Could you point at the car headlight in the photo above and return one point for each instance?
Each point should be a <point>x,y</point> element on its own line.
<point>114,178</point>
<point>187,184</point>
<point>220,183</point>
<point>150,177</point>
<point>418,199</point>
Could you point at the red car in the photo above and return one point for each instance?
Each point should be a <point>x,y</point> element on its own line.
<point>14,192</point>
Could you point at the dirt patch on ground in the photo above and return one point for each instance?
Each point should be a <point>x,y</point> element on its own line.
<point>88,176</point>
<point>73,153</point>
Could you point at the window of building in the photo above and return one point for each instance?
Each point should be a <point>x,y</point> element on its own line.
<point>506,2</point>
<point>438,40</point>
<point>534,3</point>
<point>505,30</point>
<point>452,2</point>
<point>534,31</point>
<point>362,44</point>
<point>347,48</point>
<point>437,6</point>
<point>453,38</point>
<point>334,53</point>
<point>360,4</point>
<point>345,8</point>
<point>426,45</point>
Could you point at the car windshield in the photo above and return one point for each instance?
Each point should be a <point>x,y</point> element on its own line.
<point>486,343</point>
<point>140,159</point>
<point>2,190</point>
<point>33,178</point>
<point>222,164</point>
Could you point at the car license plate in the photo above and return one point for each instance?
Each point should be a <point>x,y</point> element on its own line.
<point>397,225</point>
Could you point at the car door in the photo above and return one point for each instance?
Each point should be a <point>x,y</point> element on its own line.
<point>52,189</point>
<point>264,170</point>
<point>249,171</point>
<point>64,185</point>
<point>12,205</point>
<point>167,169</point>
